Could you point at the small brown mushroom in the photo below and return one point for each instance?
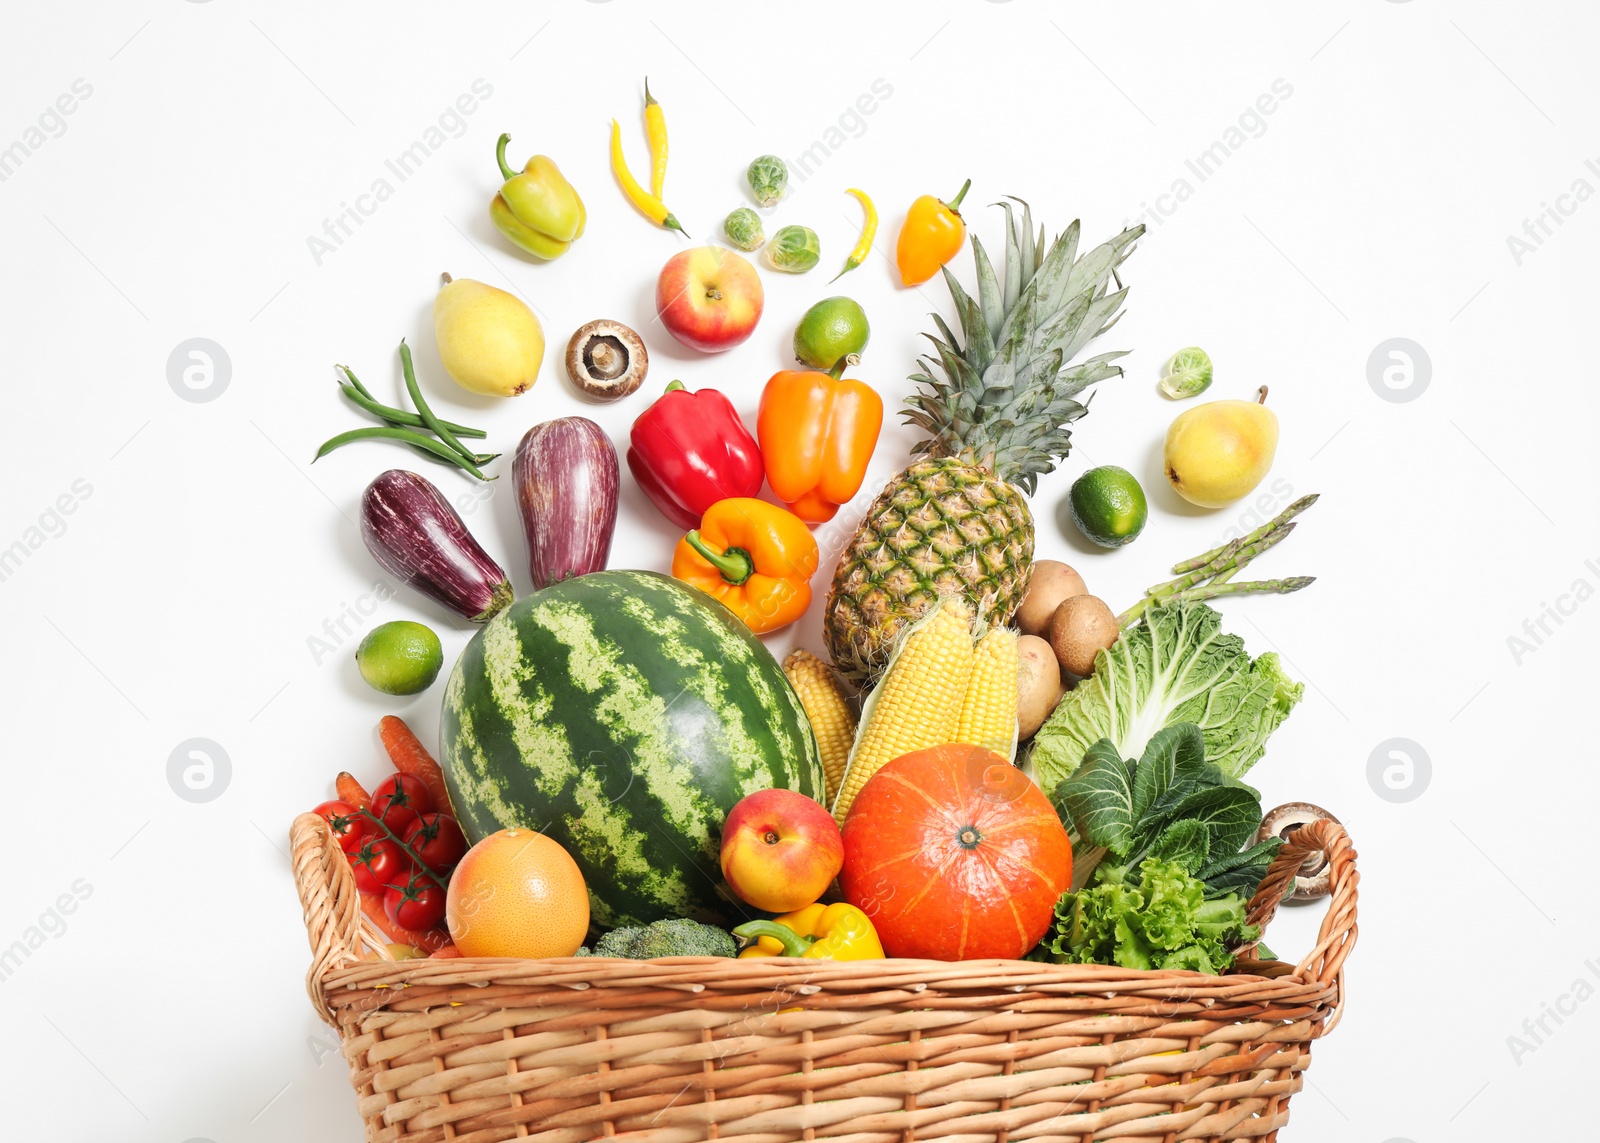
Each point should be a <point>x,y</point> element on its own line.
<point>607,360</point>
<point>1313,879</point>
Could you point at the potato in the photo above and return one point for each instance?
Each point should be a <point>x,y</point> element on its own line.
<point>1052,582</point>
<point>1082,627</point>
<point>1038,684</point>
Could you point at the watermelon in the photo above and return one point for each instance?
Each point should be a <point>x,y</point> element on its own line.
<point>623,713</point>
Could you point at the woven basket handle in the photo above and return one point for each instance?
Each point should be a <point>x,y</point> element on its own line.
<point>331,903</point>
<point>1338,933</point>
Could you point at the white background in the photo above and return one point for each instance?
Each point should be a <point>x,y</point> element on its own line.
<point>178,602</point>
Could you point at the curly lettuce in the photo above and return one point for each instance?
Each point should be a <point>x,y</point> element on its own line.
<point>1156,916</point>
<point>1174,665</point>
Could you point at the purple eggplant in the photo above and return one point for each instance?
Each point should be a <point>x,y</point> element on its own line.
<point>566,480</point>
<point>413,532</point>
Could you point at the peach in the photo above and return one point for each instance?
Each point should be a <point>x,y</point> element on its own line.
<point>780,850</point>
<point>709,298</point>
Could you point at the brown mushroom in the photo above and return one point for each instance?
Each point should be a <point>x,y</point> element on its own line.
<point>1312,881</point>
<point>607,360</point>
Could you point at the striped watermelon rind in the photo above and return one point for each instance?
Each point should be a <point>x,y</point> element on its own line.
<point>624,714</point>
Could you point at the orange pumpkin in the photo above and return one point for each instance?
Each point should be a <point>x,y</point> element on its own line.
<point>955,855</point>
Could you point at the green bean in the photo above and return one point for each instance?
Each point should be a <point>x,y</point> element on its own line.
<point>415,440</point>
<point>428,418</point>
<point>350,373</point>
<point>358,395</point>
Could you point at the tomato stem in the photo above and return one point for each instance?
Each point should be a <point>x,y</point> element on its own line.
<point>416,858</point>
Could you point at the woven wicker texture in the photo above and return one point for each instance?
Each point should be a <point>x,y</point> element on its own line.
<point>770,1051</point>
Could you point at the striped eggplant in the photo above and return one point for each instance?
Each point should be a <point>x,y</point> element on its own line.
<point>412,531</point>
<point>566,480</point>
<point>623,714</point>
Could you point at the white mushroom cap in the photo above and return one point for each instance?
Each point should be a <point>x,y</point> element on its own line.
<point>1315,872</point>
<point>606,359</point>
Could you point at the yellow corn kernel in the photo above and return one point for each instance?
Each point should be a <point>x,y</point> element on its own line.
<point>917,701</point>
<point>989,710</point>
<point>830,710</point>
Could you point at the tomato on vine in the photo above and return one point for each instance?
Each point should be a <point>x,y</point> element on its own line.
<point>378,864</point>
<point>416,905</point>
<point>399,800</point>
<point>437,841</point>
<point>349,824</point>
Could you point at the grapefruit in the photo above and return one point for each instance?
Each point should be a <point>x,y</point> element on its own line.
<point>517,893</point>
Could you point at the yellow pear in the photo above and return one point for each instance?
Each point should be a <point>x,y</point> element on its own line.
<point>1219,451</point>
<point>489,341</point>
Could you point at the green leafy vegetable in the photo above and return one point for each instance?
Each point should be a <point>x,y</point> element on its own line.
<point>1157,916</point>
<point>1172,805</point>
<point>1175,665</point>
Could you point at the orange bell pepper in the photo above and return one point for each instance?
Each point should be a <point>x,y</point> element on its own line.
<point>754,558</point>
<point>931,235</point>
<point>817,432</point>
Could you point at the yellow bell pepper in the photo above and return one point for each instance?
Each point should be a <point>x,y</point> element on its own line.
<point>537,209</point>
<point>824,932</point>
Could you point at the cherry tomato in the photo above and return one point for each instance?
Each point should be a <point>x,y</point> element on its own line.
<point>350,826</point>
<point>416,905</point>
<point>378,864</point>
<point>437,839</point>
<point>399,800</point>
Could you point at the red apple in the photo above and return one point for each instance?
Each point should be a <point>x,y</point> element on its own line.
<point>780,850</point>
<point>709,298</point>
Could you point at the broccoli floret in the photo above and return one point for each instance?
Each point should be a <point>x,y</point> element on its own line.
<point>618,942</point>
<point>584,950</point>
<point>666,938</point>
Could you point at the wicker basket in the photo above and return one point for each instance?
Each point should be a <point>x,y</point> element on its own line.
<point>773,1050</point>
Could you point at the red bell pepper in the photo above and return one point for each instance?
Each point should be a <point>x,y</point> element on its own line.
<point>689,450</point>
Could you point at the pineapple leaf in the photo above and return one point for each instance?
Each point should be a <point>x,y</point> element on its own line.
<point>974,330</point>
<point>1069,239</point>
<point>990,300</point>
<point>1093,268</point>
<point>949,338</point>
<point>1029,253</point>
<point>1002,396</point>
<point>1014,281</point>
<point>964,307</point>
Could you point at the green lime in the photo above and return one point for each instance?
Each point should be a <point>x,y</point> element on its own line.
<point>831,329</point>
<point>400,658</point>
<point>1108,505</point>
<point>1186,373</point>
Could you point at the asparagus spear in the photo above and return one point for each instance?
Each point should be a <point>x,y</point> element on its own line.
<point>1211,573</point>
<point>1229,561</point>
<point>1271,525</point>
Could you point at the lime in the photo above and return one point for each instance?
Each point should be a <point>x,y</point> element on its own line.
<point>400,658</point>
<point>831,329</point>
<point>1186,373</point>
<point>1108,505</point>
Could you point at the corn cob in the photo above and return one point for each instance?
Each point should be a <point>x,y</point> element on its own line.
<point>989,709</point>
<point>830,710</point>
<point>916,703</point>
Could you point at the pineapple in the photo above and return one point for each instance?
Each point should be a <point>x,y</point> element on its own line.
<point>955,521</point>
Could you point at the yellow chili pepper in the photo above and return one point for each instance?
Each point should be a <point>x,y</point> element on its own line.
<point>649,205</point>
<point>823,932</point>
<point>655,125</point>
<point>869,230</point>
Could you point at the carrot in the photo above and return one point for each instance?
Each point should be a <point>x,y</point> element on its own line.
<point>349,790</point>
<point>430,941</point>
<point>411,757</point>
<point>446,952</point>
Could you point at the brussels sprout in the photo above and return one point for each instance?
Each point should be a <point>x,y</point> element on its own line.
<point>1186,373</point>
<point>743,228</point>
<point>794,250</point>
<point>769,178</point>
